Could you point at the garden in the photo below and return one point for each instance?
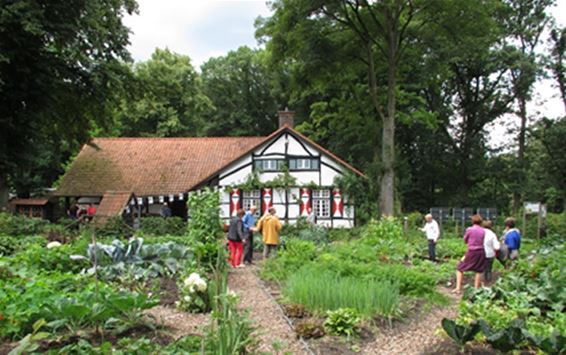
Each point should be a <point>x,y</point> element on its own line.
<point>370,289</point>
<point>65,291</point>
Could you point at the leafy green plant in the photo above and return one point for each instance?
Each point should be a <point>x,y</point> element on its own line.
<point>30,342</point>
<point>461,334</point>
<point>505,339</point>
<point>343,321</point>
<point>194,296</point>
<point>321,291</point>
<point>205,227</point>
<point>14,225</point>
<point>310,328</point>
<point>163,226</point>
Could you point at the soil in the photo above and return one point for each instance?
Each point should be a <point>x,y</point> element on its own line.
<point>169,292</point>
<point>177,323</point>
<point>7,347</point>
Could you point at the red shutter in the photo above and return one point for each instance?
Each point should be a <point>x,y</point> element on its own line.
<point>266,199</point>
<point>235,202</point>
<point>337,204</point>
<point>305,201</point>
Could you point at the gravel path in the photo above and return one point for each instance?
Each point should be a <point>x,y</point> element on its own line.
<point>272,330</point>
<point>416,335</point>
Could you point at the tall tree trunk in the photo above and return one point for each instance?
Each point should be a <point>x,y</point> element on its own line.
<point>3,193</point>
<point>517,195</point>
<point>387,185</point>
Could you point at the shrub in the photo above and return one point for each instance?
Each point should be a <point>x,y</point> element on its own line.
<point>386,228</point>
<point>322,291</point>
<point>163,226</point>
<point>205,227</point>
<point>18,225</point>
<point>115,227</point>
<point>343,321</point>
<point>10,245</point>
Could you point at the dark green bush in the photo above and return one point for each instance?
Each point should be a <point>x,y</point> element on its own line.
<point>18,225</point>
<point>163,226</point>
<point>115,227</point>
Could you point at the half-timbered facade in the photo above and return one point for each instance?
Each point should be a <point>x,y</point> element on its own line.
<point>165,170</point>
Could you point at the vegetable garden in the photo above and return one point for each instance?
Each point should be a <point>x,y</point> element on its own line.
<point>67,292</point>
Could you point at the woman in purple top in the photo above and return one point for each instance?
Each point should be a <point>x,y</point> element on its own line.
<point>474,259</point>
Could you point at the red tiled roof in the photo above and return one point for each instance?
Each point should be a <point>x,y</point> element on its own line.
<point>149,166</point>
<point>160,166</point>
<point>112,203</point>
<point>29,201</point>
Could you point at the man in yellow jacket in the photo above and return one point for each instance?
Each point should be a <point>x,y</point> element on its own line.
<point>269,226</point>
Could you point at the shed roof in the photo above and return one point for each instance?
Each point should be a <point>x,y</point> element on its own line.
<point>30,201</point>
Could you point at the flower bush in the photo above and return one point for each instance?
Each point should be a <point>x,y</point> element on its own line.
<point>193,295</point>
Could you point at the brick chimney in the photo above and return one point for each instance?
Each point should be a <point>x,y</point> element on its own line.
<point>286,118</point>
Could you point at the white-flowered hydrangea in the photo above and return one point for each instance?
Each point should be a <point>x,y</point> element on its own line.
<point>52,245</point>
<point>195,282</point>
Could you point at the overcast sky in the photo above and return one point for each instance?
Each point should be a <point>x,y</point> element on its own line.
<point>208,28</point>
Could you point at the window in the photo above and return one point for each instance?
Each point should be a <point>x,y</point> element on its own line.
<point>321,203</point>
<point>269,164</point>
<point>251,198</point>
<point>303,164</point>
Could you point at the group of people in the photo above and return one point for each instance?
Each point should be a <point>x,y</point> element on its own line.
<point>81,213</point>
<point>241,234</point>
<point>482,247</point>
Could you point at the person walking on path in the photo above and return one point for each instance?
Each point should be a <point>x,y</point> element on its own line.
<point>432,234</point>
<point>490,245</point>
<point>474,259</point>
<point>512,238</point>
<point>249,226</point>
<point>235,239</point>
<point>269,226</point>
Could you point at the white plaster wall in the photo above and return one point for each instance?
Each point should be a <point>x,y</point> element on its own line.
<point>277,147</point>
<point>327,176</point>
<point>305,177</point>
<point>343,223</point>
<point>236,178</point>
<point>295,148</point>
<point>294,210</point>
<point>225,211</point>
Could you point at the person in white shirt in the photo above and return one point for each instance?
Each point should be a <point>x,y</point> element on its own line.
<point>432,233</point>
<point>490,245</point>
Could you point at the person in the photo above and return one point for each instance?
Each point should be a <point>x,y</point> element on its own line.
<point>249,225</point>
<point>165,210</point>
<point>73,211</point>
<point>269,226</point>
<point>235,239</point>
<point>512,238</point>
<point>490,245</point>
<point>474,259</point>
<point>432,234</point>
<point>90,211</point>
<point>311,217</point>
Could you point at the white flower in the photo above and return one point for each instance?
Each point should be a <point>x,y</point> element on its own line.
<point>53,245</point>
<point>187,299</point>
<point>201,285</point>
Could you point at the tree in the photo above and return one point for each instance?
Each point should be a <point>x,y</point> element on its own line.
<point>240,88</point>
<point>167,101</point>
<point>558,57</point>
<point>59,62</point>
<point>526,22</point>
<point>380,30</point>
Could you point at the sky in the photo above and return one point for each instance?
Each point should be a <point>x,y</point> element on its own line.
<point>203,29</point>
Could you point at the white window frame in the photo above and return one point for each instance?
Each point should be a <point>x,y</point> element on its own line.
<point>251,198</point>
<point>321,203</point>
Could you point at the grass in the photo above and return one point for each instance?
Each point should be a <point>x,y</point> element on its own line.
<point>320,292</point>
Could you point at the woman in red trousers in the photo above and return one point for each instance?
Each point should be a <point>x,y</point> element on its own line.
<point>235,239</point>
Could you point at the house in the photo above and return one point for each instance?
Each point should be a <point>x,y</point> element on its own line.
<point>286,170</point>
<point>33,207</point>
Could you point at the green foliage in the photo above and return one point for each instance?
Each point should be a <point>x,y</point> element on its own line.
<point>205,227</point>
<point>320,291</point>
<point>10,245</point>
<point>293,257</point>
<point>30,342</point>
<point>163,226</point>
<point>310,328</point>
<point>343,321</point>
<point>240,88</point>
<point>115,227</point>
<point>137,260</point>
<point>19,225</point>
<point>167,100</point>
<point>460,333</point>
